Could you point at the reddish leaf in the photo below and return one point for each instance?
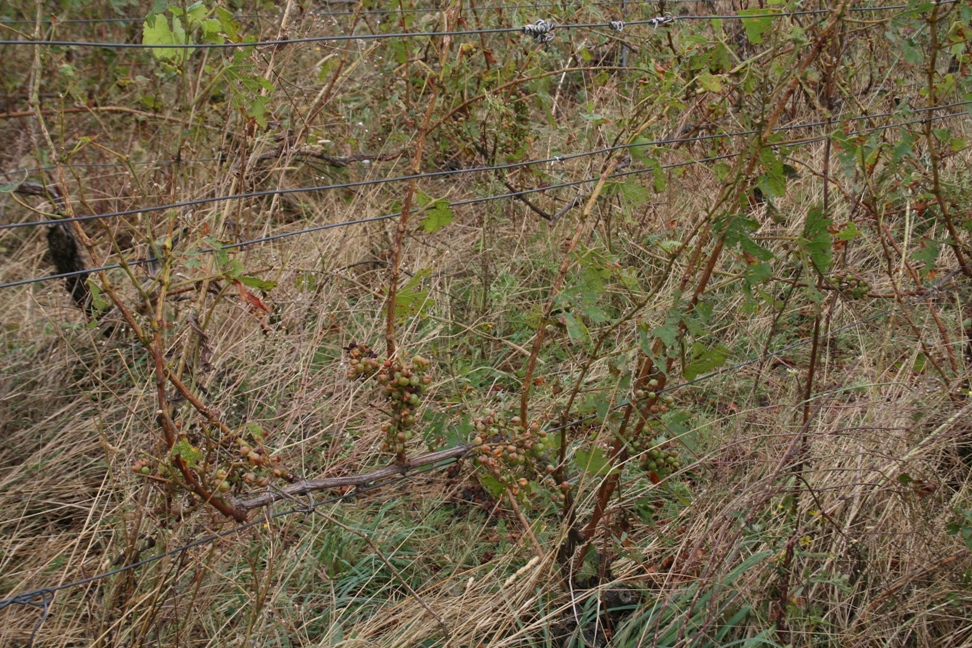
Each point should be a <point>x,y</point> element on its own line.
<point>254,302</point>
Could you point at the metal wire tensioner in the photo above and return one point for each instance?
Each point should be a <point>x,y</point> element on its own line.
<point>658,21</point>
<point>541,31</point>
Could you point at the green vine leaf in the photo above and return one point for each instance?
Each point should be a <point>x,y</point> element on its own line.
<point>705,360</point>
<point>635,193</point>
<point>233,268</point>
<point>756,27</point>
<point>849,232</point>
<point>816,241</point>
<point>156,31</point>
<point>927,255</point>
<point>98,301</point>
<point>186,451</point>
<point>710,82</point>
<point>773,181</point>
<point>258,109</point>
<point>412,299</point>
<point>492,486</point>
<point>592,462</point>
<point>256,282</point>
<point>230,27</point>
<point>438,213</point>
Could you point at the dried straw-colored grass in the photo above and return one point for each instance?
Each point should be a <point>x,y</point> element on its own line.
<point>862,496</point>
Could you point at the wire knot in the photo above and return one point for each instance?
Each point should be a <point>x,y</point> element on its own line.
<point>616,25</point>
<point>658,21</point>
<point>541,31</point>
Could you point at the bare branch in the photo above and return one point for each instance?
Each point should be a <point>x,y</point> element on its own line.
<point>375,476</point>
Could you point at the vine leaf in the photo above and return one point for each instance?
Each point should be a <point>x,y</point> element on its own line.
<point>98,301</point>
<point>927,254</point>
<point>186,451</point>
<point>849,232</point>
<point>156,31</point>
<point>635,193</point>
<point>756,27</point>
<point>705,360</point>
<point>254,302</point>
<point>492,486</point>
<point>438,213</point>
<point>256,282</point>
<point>412,299</point>
<point>576,329</point>
<point>773,181</point>
<point>710,82</point>
<point>592,461</point>
<point>816,240</point>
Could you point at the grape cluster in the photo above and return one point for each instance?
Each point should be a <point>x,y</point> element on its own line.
<point>659,403</point>
<point>851,286</point>
<point>247,465</point>
<point>401,384</point>
<point>363,362</point>
<point>257,465</point>
<point>142,467</point>
<point>512,453</point>
<point>659,461</point>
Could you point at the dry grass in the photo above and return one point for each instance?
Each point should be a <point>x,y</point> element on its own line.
<point>833,533</point>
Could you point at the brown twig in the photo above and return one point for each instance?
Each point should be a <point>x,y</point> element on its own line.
<point>537,548</point>
<point>396,261</point>
<point>88,109</point>
<point>526,201</point>
<point>346,481</point>
<point>933,154</point>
